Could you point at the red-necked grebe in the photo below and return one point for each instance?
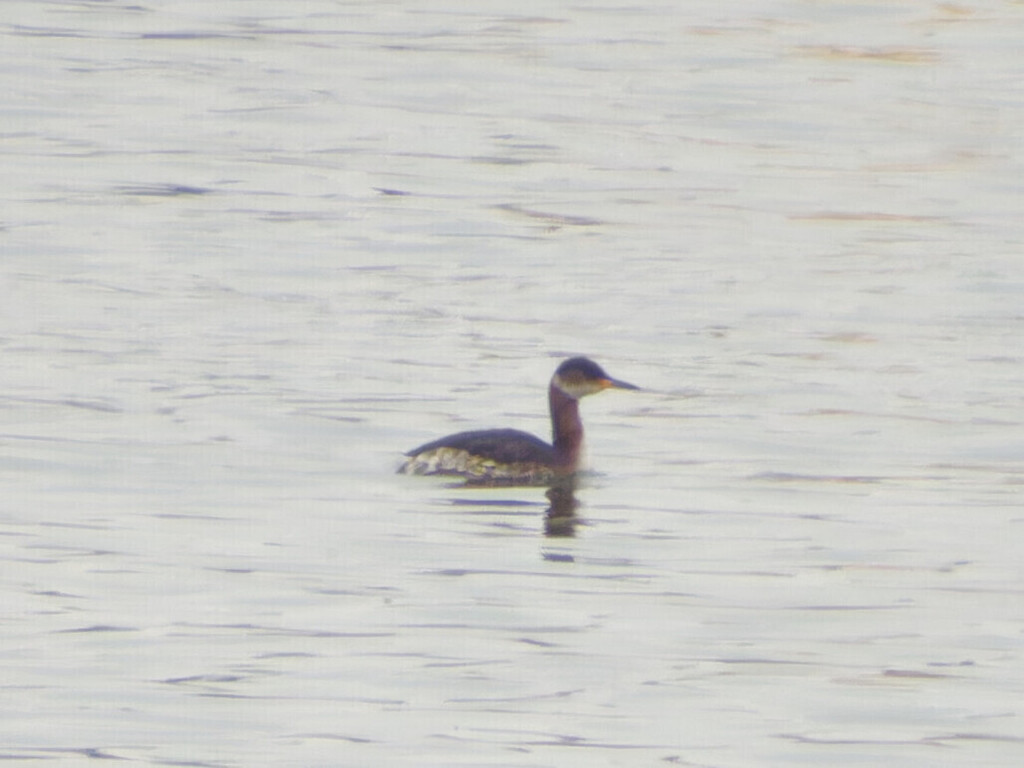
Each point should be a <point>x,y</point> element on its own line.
<point>511,457</point>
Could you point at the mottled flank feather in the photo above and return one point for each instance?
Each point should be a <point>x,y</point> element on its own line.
<point>487,456</point>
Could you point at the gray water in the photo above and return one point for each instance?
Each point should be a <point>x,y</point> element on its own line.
<point>253,251</point>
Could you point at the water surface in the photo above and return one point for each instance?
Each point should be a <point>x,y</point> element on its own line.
<point>253,251</point>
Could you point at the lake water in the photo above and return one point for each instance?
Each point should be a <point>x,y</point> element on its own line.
<point>253,251</point>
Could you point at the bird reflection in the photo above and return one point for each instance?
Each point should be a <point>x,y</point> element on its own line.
<point>560,518</point>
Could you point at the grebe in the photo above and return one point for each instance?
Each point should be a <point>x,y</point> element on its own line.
<point>511,457</point>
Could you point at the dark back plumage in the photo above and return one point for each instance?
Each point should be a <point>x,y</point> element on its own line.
<point>505,446</point>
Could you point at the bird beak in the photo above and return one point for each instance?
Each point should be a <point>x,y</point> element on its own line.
<point>616,384</point>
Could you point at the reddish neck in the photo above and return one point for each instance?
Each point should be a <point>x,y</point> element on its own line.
<point>566,427</point>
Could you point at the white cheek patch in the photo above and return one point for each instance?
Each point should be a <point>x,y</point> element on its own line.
<point>578,389</point>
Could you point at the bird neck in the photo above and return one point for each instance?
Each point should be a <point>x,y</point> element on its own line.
<point>566,427</point>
